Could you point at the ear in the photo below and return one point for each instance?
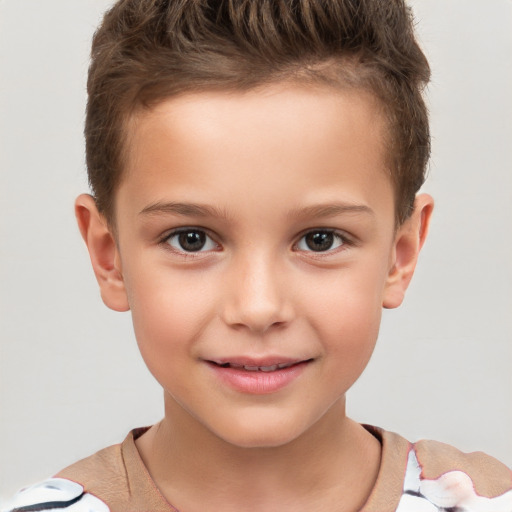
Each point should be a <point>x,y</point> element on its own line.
<point>409,240</point>
<point>103,251</point>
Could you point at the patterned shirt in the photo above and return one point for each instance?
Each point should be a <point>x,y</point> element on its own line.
<point>426,476</point>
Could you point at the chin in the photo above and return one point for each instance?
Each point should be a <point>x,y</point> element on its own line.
<point>258,441</point>
<point>259,434</point>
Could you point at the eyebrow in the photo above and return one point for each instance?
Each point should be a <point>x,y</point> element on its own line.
<point>183,209</point>
<point>330,210</point>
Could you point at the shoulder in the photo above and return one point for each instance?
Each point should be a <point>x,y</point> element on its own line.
<point>55,493</point>
<point>77,488</point>
<point>429,476</point>
<point>112,480</point>
<point>489,475</point>
<point>101,473</point>
<point>442,477</point>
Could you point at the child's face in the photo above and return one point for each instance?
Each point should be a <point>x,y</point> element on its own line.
<point>257,229</point>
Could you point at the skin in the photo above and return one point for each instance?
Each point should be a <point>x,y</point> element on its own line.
<point>267,167</point>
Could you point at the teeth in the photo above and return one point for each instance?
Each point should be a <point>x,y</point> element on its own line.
<point>271,368</point>
<point>268,368</point>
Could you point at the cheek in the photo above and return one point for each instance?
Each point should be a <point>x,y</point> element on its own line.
<point>350,333</point>
<point>346,312</point>
<point>168,311</point>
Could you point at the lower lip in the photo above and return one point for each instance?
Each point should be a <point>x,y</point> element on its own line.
<point>258,382</point>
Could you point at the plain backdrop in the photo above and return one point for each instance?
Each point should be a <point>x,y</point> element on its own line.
<point>71,379</point>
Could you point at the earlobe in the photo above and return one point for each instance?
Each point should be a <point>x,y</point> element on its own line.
<point>409,240</point>
<point>103,252</point>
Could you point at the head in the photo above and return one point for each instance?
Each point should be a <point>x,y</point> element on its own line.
<point>148,51</point>
<point>255,199</point>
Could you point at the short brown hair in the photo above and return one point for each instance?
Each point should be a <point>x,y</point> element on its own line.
<point>148,50</point>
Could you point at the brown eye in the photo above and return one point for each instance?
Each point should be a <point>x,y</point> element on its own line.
<point>320,241</point>
<point>190,240</point>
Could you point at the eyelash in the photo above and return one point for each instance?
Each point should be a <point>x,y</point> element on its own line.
<point>343,239</point>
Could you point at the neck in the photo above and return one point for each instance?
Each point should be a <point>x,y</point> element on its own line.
<point>332,466</point>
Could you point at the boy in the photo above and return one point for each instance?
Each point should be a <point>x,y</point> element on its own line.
<point>254,171</point>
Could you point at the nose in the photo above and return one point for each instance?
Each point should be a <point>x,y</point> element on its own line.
<point>256,296</point>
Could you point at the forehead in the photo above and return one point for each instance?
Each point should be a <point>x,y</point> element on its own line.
<point>290,107</point>
<point>298,139</point>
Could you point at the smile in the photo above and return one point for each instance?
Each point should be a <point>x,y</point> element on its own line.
<point>258,377</point>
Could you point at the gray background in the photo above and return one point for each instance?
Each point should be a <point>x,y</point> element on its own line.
<point>71,380</point>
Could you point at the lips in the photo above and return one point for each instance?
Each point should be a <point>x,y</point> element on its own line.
<point>258,376</point>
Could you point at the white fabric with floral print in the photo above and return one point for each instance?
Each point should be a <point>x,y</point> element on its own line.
<point>453,490</point>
